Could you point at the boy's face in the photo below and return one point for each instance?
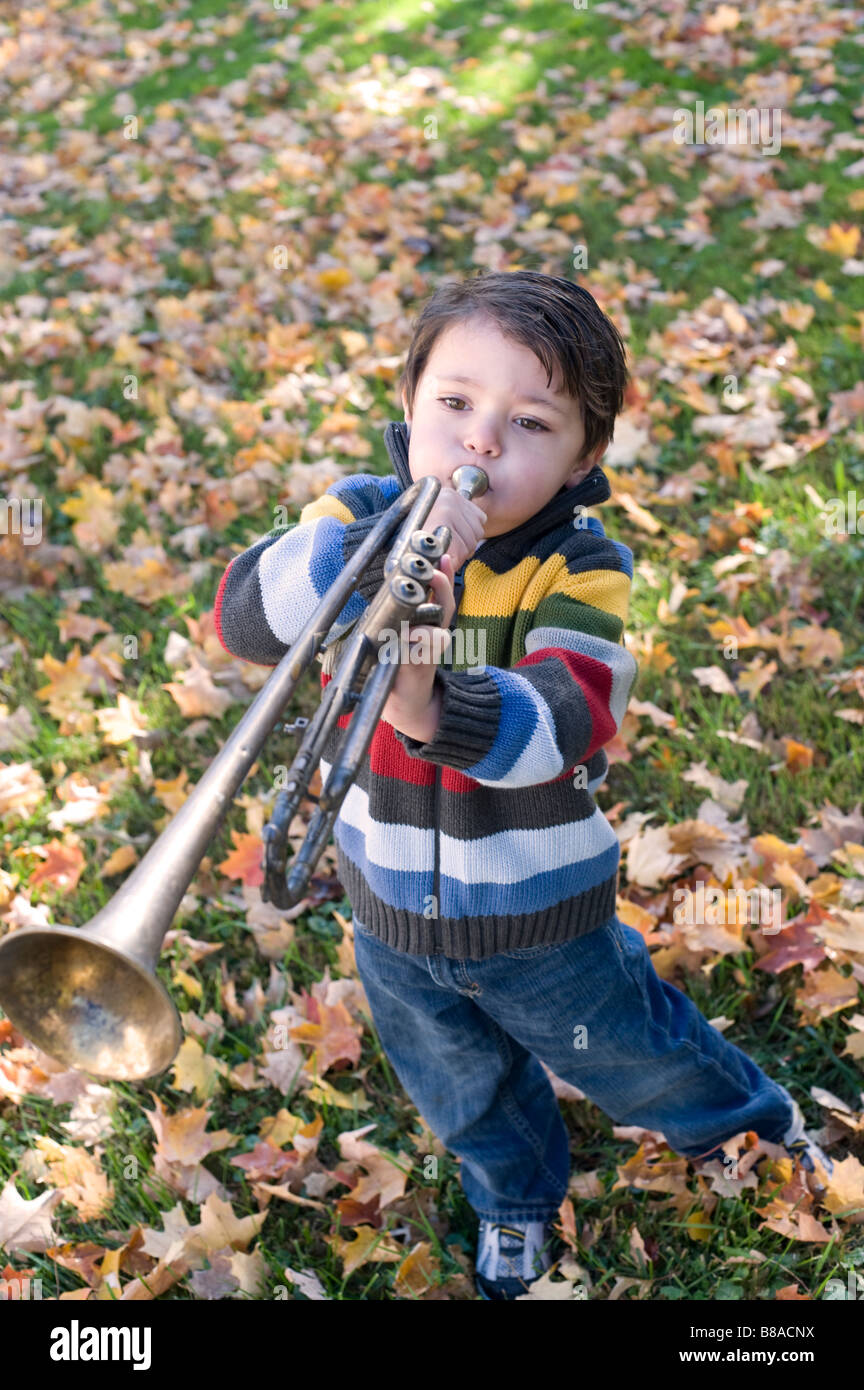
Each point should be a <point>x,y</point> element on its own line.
<point>491,423</point>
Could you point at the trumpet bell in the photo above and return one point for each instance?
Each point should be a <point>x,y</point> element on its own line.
<point>88,1004</point>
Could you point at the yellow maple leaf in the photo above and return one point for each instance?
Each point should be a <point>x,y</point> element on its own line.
<point>147,576</point>
<point>368,1244</point>
<point>123,858</point>
<point>280,1128</point>
<point>219,1226</point>
<point>841,240</point>
<point>78,1174</point>
<point>797,314</point>
<point>344,1100</point>
<point>845,1193</point>
<point>416,1273</point>
<point>94,509</point>
<point>66,685</point>
<point>194,1070</point>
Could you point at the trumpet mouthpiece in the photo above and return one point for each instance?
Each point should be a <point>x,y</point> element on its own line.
<point>470,481</point>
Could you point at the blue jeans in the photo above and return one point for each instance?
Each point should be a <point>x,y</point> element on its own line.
<point>464,1037</point>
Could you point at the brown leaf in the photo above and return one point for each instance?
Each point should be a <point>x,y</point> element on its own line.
<point>668,1174</point>
<point>795,945</point>
<point>182,1137</point>
<point>333,1031</point>
<point>196,694</point>
<point>824,992</point>
<point>244,861</point>
<point>63,866</point>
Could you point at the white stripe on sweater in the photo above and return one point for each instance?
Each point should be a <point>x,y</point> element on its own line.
<point>507,857</point>
<point>622,662</point>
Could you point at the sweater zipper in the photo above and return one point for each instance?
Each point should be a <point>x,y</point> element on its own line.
<point>436,885</point>
<point>458,586</point>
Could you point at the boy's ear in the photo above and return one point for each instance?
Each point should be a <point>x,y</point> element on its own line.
<point>406,414</point>
<point>593,458</point>
<point>581,470</point>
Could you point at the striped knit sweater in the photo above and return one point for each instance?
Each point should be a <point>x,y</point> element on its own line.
<point>487,838</point>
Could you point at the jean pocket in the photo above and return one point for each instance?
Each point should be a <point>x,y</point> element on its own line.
<point>529,952</point>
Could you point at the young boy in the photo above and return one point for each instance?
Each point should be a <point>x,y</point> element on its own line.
<point>481,873</point>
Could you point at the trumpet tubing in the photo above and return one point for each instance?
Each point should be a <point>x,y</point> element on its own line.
<point>90,996</point>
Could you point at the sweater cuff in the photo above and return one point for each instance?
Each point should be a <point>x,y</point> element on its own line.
<point>354,533</point>
<point>470,717</point>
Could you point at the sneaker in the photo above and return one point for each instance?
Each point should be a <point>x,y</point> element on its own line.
<point>510,1256</point>
<point>803,1146</point>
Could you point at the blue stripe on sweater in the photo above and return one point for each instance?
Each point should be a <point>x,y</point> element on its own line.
<point>406,890</point>
<point>544,889</point>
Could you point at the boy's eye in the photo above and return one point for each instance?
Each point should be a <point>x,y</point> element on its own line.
<point>527,418</point>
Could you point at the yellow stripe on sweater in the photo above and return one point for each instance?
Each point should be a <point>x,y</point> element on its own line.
<point>326,506</point>
<point>606,589</point>
<point>491,595</point>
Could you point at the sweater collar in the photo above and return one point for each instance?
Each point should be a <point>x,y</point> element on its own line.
<point>593,489</point>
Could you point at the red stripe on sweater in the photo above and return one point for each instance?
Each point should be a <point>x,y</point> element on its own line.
<point>387,757</point>
<point>217,607</point>
<point>594,679</point>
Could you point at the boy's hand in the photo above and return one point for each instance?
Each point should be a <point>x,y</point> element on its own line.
<point>413,707</point>
<point>465,519</point>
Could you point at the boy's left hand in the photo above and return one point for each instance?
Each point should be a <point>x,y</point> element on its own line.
<point>412,704</point>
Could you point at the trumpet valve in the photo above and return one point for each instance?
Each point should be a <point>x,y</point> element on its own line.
<point>429,544</point>
<point>406,589</point>
<point>417,567</point>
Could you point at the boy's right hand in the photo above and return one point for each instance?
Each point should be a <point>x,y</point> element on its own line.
<point>465,519</point>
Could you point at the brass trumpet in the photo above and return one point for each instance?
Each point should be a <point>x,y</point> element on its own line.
<point>90,996</point>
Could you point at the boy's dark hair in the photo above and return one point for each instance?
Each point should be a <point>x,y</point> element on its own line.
<point>559,321</point>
